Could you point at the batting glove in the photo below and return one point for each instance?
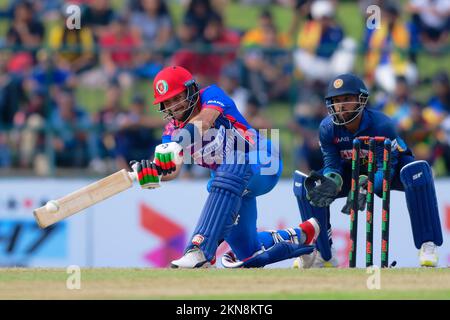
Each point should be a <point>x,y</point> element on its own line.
<point>167,156</point>
<point>147,173</point>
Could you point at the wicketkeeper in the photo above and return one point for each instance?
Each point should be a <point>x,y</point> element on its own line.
<point>349,118</point>
<point>206,126</point>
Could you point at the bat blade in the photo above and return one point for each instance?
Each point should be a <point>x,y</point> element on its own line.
<point>84,198</point>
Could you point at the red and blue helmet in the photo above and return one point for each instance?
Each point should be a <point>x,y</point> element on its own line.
<point>346,84</point>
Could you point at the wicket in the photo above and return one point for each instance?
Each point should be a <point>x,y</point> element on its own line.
<point>354,194</point>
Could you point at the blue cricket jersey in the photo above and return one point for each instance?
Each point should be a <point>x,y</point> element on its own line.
<point>337,143</point>
<point>230,118</point>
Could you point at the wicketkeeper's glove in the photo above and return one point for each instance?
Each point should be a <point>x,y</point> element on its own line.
<point>321,190</point>
<point>362,194</point>
<point>147,173</point>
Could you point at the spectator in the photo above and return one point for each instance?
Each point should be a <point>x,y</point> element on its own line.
<point>399,104</point>
<point>133,6</point>
<point>418,135</point>
<point>254,115</point>
<point>48,10</point>
<point>230,83</point>
<point>154,24</point>
<point>307,118</point>
<point>106,122</point>
<point>31,121</point>
<point>118,45</point>
<point>44,10</point>
<point>48,75</point>
<point>98,15</point>
<point>190,56</point>
<point>438,106</point>
<point>256,2</point>
<point>12,93</point>
<point>7,10</point>
<point>199,12</point>
<point>268,69</point>
<point>136,137</point>
<point>255,36</point>
<point>75,48</point>
<point>154,27</point>
<point>118,53</point>
<point>302,11</point>
<point>387,51</point>
<point>73,140</point>
<point>24,33</point>
<point>323,51</point>
<point>223,41</point>
<point>431,19</point>
<point>440,101</point>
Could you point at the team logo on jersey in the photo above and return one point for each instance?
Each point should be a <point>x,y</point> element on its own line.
<point>197,240</point>
<point>162,87</point>
<point>338,83</point>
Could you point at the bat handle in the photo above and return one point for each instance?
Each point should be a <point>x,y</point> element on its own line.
<point>133,174</point>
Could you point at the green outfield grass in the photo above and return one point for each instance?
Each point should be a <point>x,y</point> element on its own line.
<point>225,284</point>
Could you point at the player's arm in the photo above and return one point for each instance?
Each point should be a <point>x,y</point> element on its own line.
<point>331,156</point>
<point>322,189</point>
<point>330,152</point>
<point>205,119</point>
<point>190,136</point>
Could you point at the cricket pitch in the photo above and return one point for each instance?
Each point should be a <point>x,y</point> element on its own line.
<point>260,284</point>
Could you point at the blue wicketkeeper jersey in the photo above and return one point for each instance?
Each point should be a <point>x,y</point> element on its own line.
<point>337,143</point>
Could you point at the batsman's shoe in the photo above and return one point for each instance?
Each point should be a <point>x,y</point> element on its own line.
<point>311,228</point>
<point>315,260</point>
<point>193,258</point>
<point>428,256</point>
<point>305,261</point>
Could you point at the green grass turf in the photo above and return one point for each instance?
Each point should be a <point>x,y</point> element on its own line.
<point>225,284</point>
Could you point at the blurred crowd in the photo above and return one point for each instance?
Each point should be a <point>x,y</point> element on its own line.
<point>45,65</point>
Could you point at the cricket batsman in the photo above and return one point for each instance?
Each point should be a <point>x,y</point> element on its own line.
<point>206,127</point>
<point>349,118</point>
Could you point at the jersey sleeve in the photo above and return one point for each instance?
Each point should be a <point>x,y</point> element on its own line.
<point>215,98</point>
<point>330,152</point>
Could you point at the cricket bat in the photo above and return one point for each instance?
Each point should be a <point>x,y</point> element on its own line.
<point>57,210</point>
